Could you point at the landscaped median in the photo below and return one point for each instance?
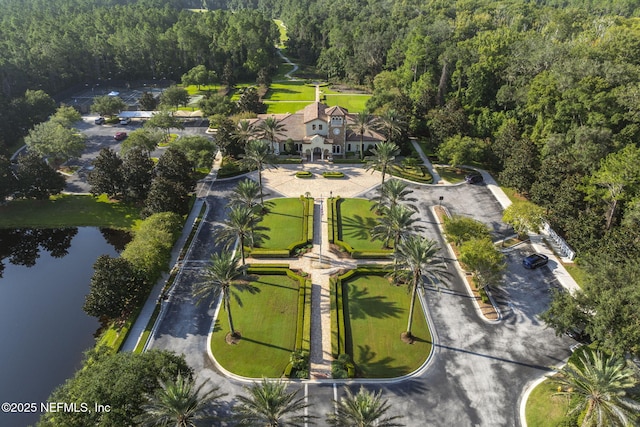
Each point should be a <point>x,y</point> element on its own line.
<point>368,316</point>
<point>350,222</point>
<point>274,321</point>
<point>289,226</point>
<point>469,229</point>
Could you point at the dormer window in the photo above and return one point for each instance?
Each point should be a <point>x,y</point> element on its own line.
<point>313,127</point>
<point>320,127</point>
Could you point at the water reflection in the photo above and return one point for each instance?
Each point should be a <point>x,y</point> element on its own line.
<point>23,246</point>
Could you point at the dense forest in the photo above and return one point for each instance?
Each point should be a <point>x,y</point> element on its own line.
<point>546,94</point>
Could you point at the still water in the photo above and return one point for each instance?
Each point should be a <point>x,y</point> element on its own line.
<point>44,277</point>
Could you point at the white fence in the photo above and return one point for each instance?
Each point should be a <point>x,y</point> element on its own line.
<point>560,245</point>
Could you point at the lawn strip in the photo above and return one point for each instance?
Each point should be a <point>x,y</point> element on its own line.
<point>68,211</point>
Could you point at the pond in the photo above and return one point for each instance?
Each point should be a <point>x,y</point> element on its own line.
<point>44,277</point>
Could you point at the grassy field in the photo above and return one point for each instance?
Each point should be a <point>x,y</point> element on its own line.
<point>355,103</point>
<point>357,222</point>
<point>543,408</point>
<point>68,211</point>
<point>283,32</point>
<point>377,313</point>
<point>291,91</point>
<point>284,107</point>
<point>267,322</point>
<point>284,223</point>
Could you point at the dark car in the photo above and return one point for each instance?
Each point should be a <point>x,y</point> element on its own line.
<point>119,136</point>
<point>473,178</point>
<point>535,261</point>
<point>99,121</point>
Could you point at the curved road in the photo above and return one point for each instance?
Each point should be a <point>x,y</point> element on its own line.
<point>478,370</point>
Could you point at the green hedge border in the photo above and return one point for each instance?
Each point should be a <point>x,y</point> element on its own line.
<point>307,235</point>
<point>303,321</point>
<point>334,218</point>
<point>339,339</point>
<point>333,175</point>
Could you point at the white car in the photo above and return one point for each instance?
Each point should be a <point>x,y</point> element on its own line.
<point>125,121</point>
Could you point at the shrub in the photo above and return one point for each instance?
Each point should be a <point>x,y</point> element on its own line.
<point>343,367</point>
<point>304,174</point>
<point>333,175</point>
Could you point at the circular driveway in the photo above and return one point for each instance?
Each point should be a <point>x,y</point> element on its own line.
<point>478,370</point>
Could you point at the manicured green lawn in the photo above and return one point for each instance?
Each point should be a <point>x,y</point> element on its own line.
<point>355,103</point>
<point>193,89</point>
<point>276,107</point>
<point>291,91</point>
<point>68,211</point>
<point>283,223</point>
<point>578,274</point>
<point>376,313</point>
<point>543,408</point>
<point>267,322</point>
<point>357,222</point>
<point>283,31</point>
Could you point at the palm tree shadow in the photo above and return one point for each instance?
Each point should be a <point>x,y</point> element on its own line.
<point>369,367</point>
<point>360,305</point>
<point>243,287</point>
<point>357,227</point>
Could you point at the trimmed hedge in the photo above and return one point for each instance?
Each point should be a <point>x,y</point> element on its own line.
<point>288,161</point>
<point>307,235</point>
<point>333,175</point>
<point>419,174</point>
<point>304,174</point>
<point>335,228</point>
<point>348,161</point>
<point>338,321</point>
<point>303,321</point>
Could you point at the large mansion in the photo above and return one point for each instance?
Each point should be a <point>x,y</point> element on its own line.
<point>320,132</point>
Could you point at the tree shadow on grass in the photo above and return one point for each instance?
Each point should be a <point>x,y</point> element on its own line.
<point>383,368</point>
<point>360,304</point>
<point>357,227</point>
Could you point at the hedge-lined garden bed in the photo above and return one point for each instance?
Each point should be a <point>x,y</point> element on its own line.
<point>368,315</point>
<point>333,175</point>
<point>289,226</point>
<point>304,174</point>
<point>350,222</point>
<point>273,322</point>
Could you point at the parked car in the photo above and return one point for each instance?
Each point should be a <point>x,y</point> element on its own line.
<point>535,260</point>
<point>99,121</point>
<point>119,136</point>
<point>473,178</point>
<point>125,121</point>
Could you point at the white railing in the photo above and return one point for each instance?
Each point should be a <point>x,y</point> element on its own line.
<point>560,244</point>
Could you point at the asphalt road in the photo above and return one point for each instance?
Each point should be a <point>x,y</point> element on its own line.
<point>478,370</point>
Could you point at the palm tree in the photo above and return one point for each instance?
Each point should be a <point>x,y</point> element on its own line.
<point>392,193</point>
<point>271,129</point>
<point>244,132</point>
<point>246,193</point>
<point>364,409</point>
<point>178,403</point>
<point>384,155</point>
<point>601,382</point>
<point>241,224</point>
<point>219,278</point>
<point>270,405</point>
<point>391,124</point>
<point>258,155</point>
<point>363,122</point>
<point>417,255</point>
<point>396,224</point>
